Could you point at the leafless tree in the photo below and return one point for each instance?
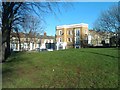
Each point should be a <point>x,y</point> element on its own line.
<point>9,11</point>
<point>32,26</point>
<point>13,14</point>
<point>109,21</point>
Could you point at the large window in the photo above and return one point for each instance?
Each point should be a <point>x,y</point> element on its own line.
<point>77,32</point>
<point>77,40</point>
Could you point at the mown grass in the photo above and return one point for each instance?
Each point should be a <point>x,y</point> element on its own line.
<point>72,68</point>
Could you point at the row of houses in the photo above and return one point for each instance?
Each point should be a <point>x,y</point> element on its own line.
<point>30,42</point>
<point>67,36</point>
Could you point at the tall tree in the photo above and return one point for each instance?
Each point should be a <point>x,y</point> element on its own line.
<point>31,26</point>
<point>109,21</point>
<point>13,14</point>
<point>9,10</point>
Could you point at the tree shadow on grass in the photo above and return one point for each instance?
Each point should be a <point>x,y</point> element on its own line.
<point>100,54</point>
<point>15,57</point>
<point>6,71</point>
<point>8,66</point>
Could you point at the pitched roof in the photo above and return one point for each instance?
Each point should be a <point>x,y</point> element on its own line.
<point>13,34</point>
<point>22,35</point>
<point>46,37</point>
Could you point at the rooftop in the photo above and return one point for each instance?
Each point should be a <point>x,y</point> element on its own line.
<point>72,25</point>
<point>23,35</point>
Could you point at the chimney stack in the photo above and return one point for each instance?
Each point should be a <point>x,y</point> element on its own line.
<point>45,34</point>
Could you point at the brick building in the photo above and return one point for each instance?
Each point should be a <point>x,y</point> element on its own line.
<point>72,36</point>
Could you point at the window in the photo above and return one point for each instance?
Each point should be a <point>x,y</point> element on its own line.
<point>86,38</point>
<point>60,39</point>
<point>77,40</point>
<point>69,39</point>
<point>69,32</point>
<point>85,31</point>
<point>77,32</point>
<point>60,32</point>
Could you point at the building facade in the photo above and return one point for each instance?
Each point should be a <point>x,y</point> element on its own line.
<point>28,42</point>
<point>71,36</point>
<point>94,38</point>
<point>100,38</point>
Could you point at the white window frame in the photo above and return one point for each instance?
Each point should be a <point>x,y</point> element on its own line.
<point>86,31</point>
<point>60,39</point>
<point>69,32</point>
<point>77,34</point>
<point>77,40</point>
<point>60,32</point>
<point>69,40</point>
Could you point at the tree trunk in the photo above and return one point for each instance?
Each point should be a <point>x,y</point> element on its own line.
<point>6,47</point>
<point>19,45</point>
<point>116,40</point>
<point>0,47</point>
<point>3,52</point>
<point>8,51</point>
<point>19,40</point>
<point>3,43</point>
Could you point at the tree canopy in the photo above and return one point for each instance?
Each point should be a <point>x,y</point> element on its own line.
<point>13,16</point>
<point>109,20</point>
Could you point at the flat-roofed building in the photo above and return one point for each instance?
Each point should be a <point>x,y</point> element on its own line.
<point>71,36</point>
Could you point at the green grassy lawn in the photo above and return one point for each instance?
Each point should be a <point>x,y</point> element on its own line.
<point>76,68</point>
